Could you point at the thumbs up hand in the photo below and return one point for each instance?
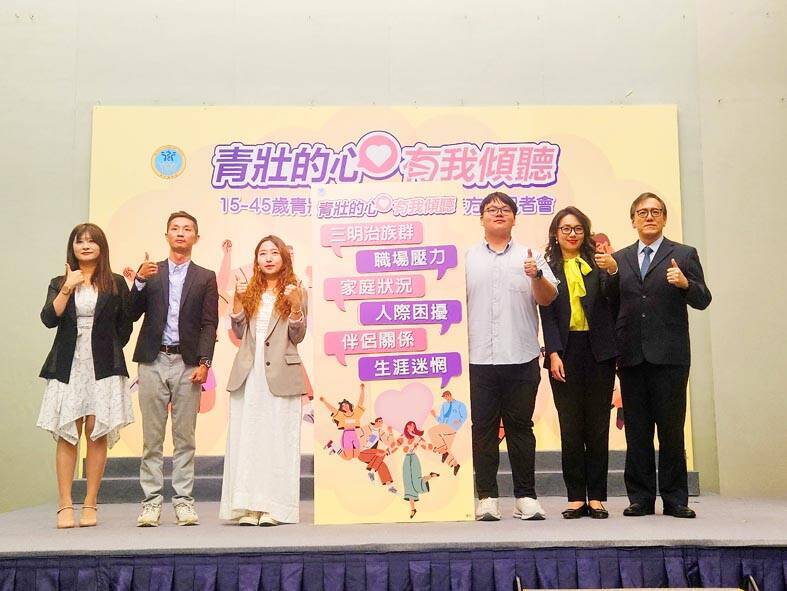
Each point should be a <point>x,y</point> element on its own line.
<point>147,269</point>
<point>676,277</point>
<point>604,259</point>
<point>531,267</point>
<point>73,278</point>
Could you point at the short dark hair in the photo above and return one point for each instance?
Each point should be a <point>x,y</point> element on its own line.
<point>183,214</point>
<point>497,196</point>
<point>645,197</point>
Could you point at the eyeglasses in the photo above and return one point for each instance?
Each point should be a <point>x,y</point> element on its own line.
<point>566,230</point>
<point>495,210</point>
<point>655,213</point>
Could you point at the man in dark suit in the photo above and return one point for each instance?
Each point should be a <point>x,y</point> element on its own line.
<point>655,280</point>
<point>174,351</point>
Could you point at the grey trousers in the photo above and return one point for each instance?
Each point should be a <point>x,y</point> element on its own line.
<point>167,380</point>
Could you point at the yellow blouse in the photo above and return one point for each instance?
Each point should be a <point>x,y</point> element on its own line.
<point>575,269</point>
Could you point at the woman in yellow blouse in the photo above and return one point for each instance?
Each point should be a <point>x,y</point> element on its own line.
<point>579,336</point>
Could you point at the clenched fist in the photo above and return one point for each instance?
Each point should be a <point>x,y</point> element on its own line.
<point>147,269</point>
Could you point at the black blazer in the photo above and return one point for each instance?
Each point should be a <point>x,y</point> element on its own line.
<point>652,321</point>
<point>197,320</point>
<point>111,331</point>
<point>556,317</point>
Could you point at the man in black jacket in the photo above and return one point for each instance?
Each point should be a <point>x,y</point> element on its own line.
<point>656,279</point>
<point>174,351</point>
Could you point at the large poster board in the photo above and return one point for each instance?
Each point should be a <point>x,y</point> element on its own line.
<point>391,355</point>
<point>248,171</point>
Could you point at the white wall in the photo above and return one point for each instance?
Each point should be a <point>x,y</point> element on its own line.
<point>743,102</point>
<point>61,57</point>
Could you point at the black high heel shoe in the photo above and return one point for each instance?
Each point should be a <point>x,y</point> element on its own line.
<point>412,513</point>
<point>433,474</point>
<point>575,513</point>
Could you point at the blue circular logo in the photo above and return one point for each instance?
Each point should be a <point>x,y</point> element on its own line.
<point>168,162</point>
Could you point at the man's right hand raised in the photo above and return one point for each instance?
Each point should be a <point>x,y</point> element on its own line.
<point>147,269</point>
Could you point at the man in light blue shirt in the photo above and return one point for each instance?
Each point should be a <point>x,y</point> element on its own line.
<point>453,412</point>
<point>505,283</point>
<point>177,276</point>
<point>453,415</point>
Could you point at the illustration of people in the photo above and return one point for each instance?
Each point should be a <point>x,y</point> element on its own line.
<point>415,484</point>
<point>375,442</point>
<point>347,418</point>
<point>453,414</point>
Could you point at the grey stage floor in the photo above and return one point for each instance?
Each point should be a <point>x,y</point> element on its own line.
<point>721,521</point>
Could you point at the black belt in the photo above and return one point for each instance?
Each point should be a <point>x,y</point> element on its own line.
<point>170,349</point>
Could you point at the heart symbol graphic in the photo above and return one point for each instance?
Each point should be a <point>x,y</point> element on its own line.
<point>378,154</point>
<point>411,403</point>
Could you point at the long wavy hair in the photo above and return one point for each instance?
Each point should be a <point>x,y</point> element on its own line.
<point>258,283</point>
<point>587,250</point>
<point>102,278</point>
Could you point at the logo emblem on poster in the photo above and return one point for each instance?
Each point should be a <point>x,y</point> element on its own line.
<point>168,162</point>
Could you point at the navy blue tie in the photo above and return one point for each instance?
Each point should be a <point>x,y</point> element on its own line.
<point>643,270</point>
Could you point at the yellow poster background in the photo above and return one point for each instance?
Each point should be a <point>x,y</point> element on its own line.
<point>608,156</point>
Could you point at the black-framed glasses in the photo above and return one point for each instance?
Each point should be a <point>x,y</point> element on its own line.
<point>566,230</point>
<point>655,212</point>
<point>495,210</point>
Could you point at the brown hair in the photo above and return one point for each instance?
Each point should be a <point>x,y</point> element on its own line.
<point>258,283</point>
<point>644,197</point>
<point>411,430</point>
<point>183,214</point>
<point>102,278</point>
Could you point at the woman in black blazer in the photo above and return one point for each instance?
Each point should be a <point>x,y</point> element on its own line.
<point>85,370</point>
<point>579,337</point>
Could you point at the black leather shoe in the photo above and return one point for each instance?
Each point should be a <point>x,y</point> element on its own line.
<point>638,510</point>
<point>681,511</point>
<point>575,513</point>
<point>598,513</point>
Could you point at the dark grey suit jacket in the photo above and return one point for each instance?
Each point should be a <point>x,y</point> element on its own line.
<point>652,322</point>
<point>198,317</point>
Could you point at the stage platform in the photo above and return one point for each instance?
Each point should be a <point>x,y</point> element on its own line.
<point>731,538</point>
<point>121,478</point>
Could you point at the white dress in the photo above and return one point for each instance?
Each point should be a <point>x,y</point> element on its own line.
<point>262,462</point>
<point>108,399</point>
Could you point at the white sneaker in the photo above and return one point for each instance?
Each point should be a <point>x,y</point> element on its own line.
<point>250,518</point>
<point>487,509</point>
<point>150,516</point>
<point>529,509</point>
<point>185,514</point>
<point>267,521</point>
